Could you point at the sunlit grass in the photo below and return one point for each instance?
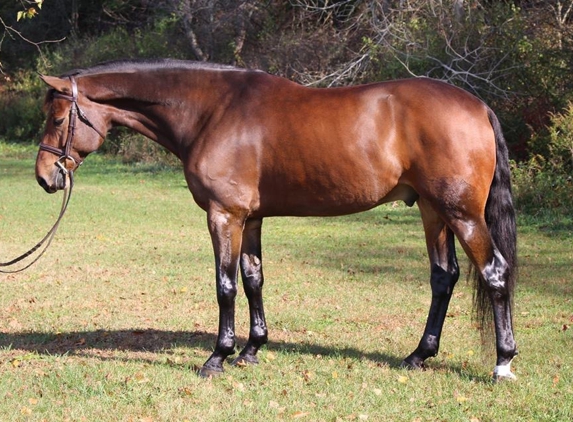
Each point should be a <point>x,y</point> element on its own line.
<point>114,321</point>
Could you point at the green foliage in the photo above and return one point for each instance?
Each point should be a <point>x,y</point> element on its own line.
<point>543,190</point>
<point>21,109</point>
<point>561,138</point>
<point>544,183</point>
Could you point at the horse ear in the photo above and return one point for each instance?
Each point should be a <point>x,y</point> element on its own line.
<point>60,85</point>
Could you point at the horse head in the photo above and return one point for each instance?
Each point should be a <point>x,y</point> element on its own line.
<point>74,128</point>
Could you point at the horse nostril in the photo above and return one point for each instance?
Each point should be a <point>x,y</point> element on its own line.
<point>42,182</point>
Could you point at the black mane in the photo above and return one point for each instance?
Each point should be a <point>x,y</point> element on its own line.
<point>131,65</point>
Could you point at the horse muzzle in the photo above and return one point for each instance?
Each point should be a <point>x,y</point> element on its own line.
<point>56,181</point>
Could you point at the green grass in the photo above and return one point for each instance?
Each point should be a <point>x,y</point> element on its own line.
<point>113,322</point>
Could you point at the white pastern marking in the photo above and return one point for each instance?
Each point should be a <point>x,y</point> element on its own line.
<point>503,371</point>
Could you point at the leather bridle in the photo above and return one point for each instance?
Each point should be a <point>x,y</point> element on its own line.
<point>64,154</point>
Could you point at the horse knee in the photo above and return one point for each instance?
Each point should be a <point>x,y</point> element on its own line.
<point>251,270</point>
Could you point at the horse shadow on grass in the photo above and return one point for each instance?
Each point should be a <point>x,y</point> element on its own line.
<point>108,345</point>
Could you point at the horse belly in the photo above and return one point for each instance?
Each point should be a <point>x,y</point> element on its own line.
<point>326,192</point>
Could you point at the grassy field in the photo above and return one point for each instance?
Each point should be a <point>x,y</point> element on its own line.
<point>113,322</point>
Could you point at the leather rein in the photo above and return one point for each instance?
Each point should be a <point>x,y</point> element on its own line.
<point>64,154</point>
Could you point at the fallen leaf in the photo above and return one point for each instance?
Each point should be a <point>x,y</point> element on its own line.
<point>241,363</point>
<point>186,391</point>
<point>307,375</point>
<point>140,377</point>
<point>402,379</point>
<point>298,415</point>
<point>377,392</point>
<point>555,380</point>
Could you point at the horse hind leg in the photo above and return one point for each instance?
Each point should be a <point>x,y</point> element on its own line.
<point>253,280</point>
<point>444,275</point>
<point>493,290</point>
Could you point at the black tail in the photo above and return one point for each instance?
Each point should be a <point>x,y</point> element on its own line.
<point>500,219</point>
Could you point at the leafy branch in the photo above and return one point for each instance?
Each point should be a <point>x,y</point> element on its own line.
<point>31,10</point>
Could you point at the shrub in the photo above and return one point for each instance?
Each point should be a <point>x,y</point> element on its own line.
<point>561,138</point>
<point>544,183</point>
<point>542,189</point>
<point>21,110</point>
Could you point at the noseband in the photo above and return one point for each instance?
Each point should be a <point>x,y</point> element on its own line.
<point>75,111</point>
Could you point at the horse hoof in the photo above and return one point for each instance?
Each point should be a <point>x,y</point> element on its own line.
<point>505,377</point>
<point>412,365</point>
<point>210,372</point>
<point>246,360</point>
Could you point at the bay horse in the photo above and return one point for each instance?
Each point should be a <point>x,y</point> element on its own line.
<point>254,145</point>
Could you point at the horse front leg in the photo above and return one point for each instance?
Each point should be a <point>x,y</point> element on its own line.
<point>226,234</point>
<point>253,280</point>
<point>444,275</point>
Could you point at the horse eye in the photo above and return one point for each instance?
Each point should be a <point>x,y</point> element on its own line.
<point>58,122</point>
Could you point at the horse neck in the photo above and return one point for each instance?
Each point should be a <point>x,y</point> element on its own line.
<point>167,110</point>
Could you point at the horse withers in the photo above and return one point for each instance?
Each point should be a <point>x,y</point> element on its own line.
<point>255,145</point>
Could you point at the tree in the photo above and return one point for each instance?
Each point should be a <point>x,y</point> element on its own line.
<point>214,26</point>
<point>453,40</point>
